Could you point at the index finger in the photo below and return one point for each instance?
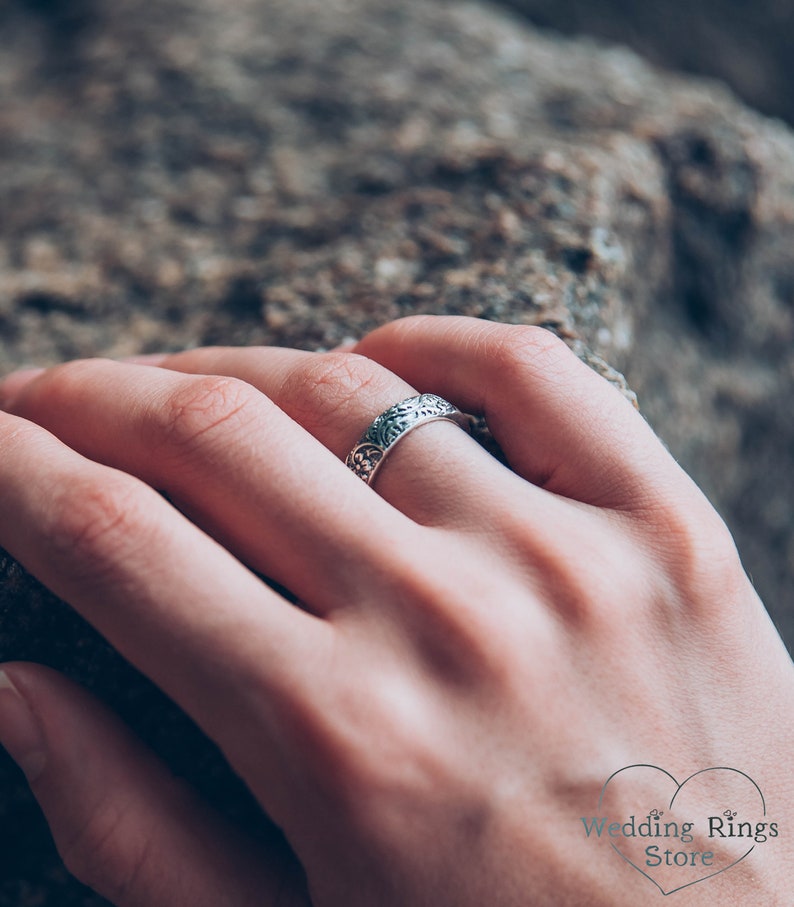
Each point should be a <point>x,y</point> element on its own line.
<point>172,600</point>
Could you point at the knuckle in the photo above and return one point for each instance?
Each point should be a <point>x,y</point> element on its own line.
<point>387,755</point>
<point>585,573</point>
<point>325,387</point>
<point>697,551</point>
<point>92,522</point>
<point>200,406</point>
<point>462,641</point>
<point>101,854</point>
<point>380,737</point>
<point>520,348</point>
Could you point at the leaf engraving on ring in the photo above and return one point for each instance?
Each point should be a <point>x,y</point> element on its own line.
<point>388,427</point>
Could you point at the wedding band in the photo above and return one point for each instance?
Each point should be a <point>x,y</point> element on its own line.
<point>394,423</point>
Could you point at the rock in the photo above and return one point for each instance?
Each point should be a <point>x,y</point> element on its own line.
<point>746,44</point>
<point>297,172</point>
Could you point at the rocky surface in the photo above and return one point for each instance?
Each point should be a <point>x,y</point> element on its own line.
<point>746,44</point>
<point>297,171</point>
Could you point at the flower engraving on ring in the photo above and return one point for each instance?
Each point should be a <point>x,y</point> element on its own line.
<point>364,460</point>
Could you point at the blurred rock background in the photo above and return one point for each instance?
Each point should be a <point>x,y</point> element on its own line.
<point>297,171</point>
<point>748,45</point>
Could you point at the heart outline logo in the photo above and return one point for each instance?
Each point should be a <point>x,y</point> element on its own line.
<point>679,786</point>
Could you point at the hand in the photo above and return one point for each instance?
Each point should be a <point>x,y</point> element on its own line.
<point>476,651</point>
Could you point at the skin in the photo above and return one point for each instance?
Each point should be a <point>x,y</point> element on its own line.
<point>476,651</point>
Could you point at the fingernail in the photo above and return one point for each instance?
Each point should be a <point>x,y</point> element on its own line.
<point>20,731</point>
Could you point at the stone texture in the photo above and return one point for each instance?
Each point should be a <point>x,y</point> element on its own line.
<point>297,172</point>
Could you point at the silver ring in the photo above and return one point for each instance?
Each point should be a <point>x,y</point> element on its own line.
<point>370,451</point>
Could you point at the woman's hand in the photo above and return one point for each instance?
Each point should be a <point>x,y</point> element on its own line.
<point>477,649</point>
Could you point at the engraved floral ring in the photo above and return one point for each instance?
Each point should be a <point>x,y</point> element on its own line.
<point>394,423</point>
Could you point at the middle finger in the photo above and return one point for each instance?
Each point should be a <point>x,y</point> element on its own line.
<point>232,461</point>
